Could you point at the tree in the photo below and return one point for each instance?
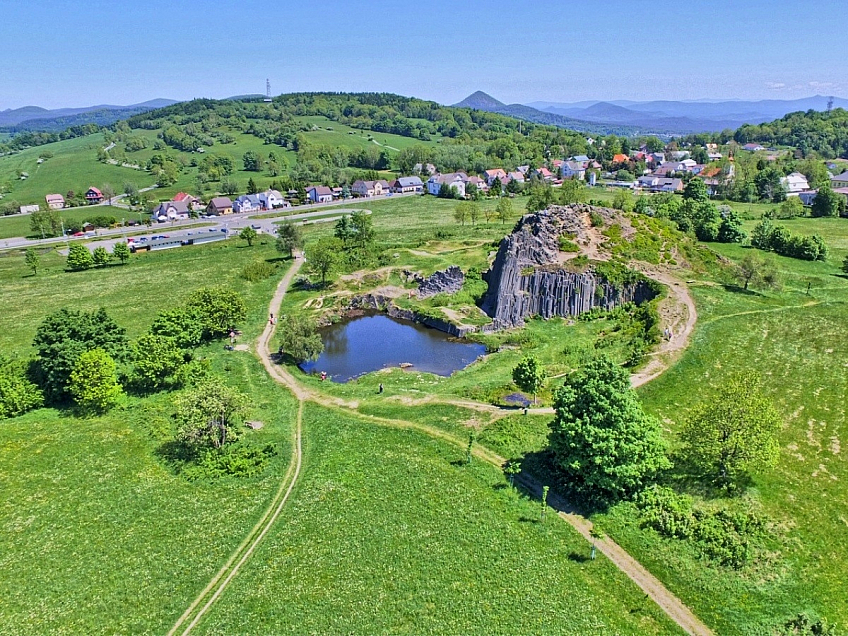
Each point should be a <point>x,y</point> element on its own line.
<point>17,393</point>
<point>156,360</point>
<point>570,192</point>
<point>218,310</point>
<point>541,196</point>
<point>63,336</point>
<point>605,447</point>
<point>755,271</point>
<point>289,238</point>
<point>101,256</point>
<point>299,338</point>
<point>207,415</point>
<point>827,203</point>
<point>730,229</point>
<point>79,258</point>
<point>529,376</point>
<point>733,432</point>
<point>791,208</point>
<point>131,190</point>
<point>252,188</point>
<point>229,187</point>
<point>503,211</point>
<point>362,230</point>
<point>32,260</point>
<point>511,469</point>
<point>45,223</point>
<point>460,213</point>
<point>252,161</point>
<point>93,382</point>
<point>323,257</point>
<point>473,212</point>
<point>249,235</point>
<point>180,325</point>
<point>769,185</point>
<point>623,200</point>
<point>108,192</point>
<point>121,251</point>
<point>696,190</point>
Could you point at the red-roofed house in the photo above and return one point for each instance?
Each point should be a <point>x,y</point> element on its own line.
<point>93,195</point>
<point>55,201</point>
<point>620,158</point>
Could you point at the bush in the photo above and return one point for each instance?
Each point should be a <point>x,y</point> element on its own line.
<point>236,460</point>
<point>257,271</point>
<point>17,393</point>
<point>567,245</point>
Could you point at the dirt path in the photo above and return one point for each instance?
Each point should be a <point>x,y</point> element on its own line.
<point>667,601</point>
<point>678,314</point>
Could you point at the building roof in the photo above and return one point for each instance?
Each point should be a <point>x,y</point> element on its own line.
<point>580,158</point>
<point>320,190</point>
<point>840,177</point>
<point>408,182</point>
<point>54,198</point>
<point>95,191</point>
<point>180,207</point>
<point>271,193</point>
<point>620,158</point>
<point>221,202</point>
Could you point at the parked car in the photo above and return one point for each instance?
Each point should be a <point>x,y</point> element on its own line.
<point>256,226</point>
<point>79,234</point>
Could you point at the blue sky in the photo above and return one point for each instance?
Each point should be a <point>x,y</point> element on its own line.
<point>69,53</point>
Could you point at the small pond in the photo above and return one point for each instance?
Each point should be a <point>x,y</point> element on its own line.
<point>374,341</point>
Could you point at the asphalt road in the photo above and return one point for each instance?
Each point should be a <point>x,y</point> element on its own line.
<point>232,224</point>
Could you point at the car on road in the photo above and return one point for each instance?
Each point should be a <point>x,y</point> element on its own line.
<point>212,229</point>
<point>78,234</point>
<point>256,226</point>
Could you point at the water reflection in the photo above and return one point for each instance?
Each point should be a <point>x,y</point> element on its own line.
<point>373,341</point>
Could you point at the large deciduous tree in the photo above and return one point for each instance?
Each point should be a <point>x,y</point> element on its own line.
<point>290,238</point>
<point>218,309</point>
<point>121,251</point>
<point>63,337</point>
<point>299,338</point>
<point>156,361</point>
<point>79,258</point>
<point>248,234</point>
<point>208,414</point>
<point>605,447</point>
<point>181,325</point>
<point>734,431</point>
<point>323,256</point>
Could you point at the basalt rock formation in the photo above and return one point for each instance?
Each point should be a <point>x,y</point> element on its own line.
<point>448,281</point>
<point>527,278</point>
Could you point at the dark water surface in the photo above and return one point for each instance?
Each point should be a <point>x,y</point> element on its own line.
<point>373,341</point>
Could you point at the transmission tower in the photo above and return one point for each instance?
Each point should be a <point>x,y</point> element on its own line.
<point>830,104</point>
<point>267,90</point>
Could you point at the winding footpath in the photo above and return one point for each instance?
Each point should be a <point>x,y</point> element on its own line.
<point>649,584</point>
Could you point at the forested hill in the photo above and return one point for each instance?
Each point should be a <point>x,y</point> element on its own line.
<point>823,132</point>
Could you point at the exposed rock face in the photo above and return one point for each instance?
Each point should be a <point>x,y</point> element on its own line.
<point>526,280</point>
<point>448,281</point>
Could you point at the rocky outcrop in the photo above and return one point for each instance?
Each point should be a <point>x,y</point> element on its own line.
<point>448,281</point>
<point>526,279</point>
<point>377,302</point>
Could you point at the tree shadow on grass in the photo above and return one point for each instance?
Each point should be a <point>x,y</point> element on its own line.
<point>175,455</point>
<point>736,289</point>
<point>577,557</point>
<point>686,477</point>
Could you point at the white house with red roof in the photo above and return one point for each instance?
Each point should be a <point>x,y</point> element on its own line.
<point>55,201</point>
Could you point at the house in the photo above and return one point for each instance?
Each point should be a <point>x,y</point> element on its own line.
<point>689,164</point>
<point>669,167</point>
<point>455,180</point>
<point>557,164</point>
<point>55,201</point>
<point>657,158</point>
<point>795,183</point>
<point>620,158</point>
<point>515,176</point>
<point>580,158</point>
<point>247,203</point>
<point>219,205</point>
<point>370,188</point>
<point>188,198</point>
<point>753,147</point>
<point>428,169</point>
<point>840,180</point>
<point>523,169</point>
<point>544,174</point>
<point>477,182</point>
<point>403,185</point>
<point>491,175</point>
<point>319,194</point>
<point>272,199</point>
<point>714,156</point>
<point>655,183</point>
<point>171,211</point>
<point>93,196</point>
<point>679,155</point>
<point>573,170</point>
<point>29,209</point>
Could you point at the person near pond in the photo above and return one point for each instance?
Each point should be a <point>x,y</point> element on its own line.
<point>381,387</point>
<point>232,337</point>
<point>323,375</point>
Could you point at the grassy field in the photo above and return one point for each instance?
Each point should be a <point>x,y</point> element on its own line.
<point>333,133</point>
<point>387,534</point>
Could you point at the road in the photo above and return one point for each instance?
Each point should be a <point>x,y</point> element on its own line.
<point>187,227</point>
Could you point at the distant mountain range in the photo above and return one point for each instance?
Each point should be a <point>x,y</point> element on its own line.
<point>34,118</point>
<point>482,101</point>
<point>658,117</point>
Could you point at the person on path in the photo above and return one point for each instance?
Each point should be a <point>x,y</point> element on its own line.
<point>232,337</point>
